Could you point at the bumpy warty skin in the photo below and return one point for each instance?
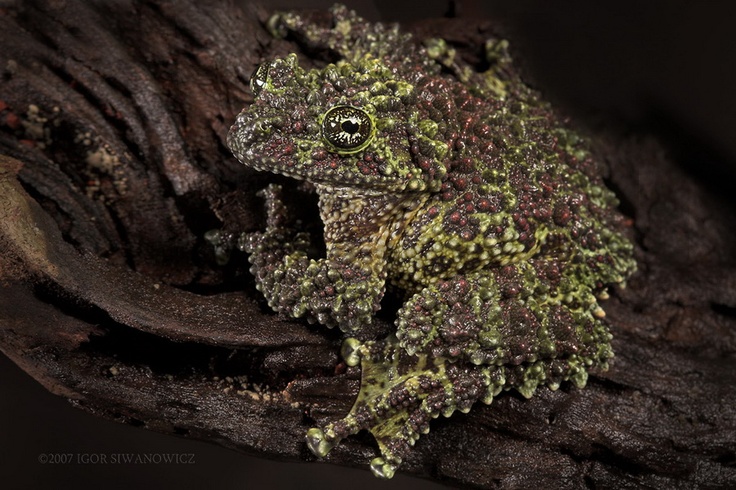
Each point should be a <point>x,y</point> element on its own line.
<point>463,191</point>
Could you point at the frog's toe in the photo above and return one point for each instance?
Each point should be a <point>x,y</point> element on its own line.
<point>383,469</point>
<point>222,243</point>
<point>317,442</point>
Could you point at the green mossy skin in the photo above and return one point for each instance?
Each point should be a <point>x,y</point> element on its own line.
<point>470,196</point>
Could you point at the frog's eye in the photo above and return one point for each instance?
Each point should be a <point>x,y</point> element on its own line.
<point>258,78</point>
<point>347,129</point>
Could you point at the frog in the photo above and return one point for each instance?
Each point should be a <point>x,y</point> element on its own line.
<point>460,191</point>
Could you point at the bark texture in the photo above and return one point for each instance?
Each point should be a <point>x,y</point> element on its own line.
<point>113,118</point>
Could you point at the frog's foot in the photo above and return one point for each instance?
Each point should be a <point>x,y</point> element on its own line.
<point>222,244</point>
<point>338,33</point>
<point>344,34</point>
<point>321,441</point>
<point>493,82</point>
<point>277,237</point>
<point>278,240</point>
<point>399,395</point>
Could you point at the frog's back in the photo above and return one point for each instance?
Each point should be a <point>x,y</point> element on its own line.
<point>518,183</point>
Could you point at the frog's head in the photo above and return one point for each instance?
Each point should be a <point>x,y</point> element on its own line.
<point>349,124</point>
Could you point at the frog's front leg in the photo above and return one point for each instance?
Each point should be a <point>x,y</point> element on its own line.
<point>332,291</point>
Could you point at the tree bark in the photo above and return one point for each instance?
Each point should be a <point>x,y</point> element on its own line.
<point>113,118</point>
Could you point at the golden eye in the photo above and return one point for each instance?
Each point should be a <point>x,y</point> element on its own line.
<point>258,78</point>
<point>347,129</point>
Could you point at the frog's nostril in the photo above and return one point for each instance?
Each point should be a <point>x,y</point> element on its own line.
<point>247,132</point>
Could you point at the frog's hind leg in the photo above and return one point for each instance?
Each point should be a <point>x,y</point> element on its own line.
<point>536,318</point>
<point>464,340</point>
<point>345,35</point>
<point>399,395</point>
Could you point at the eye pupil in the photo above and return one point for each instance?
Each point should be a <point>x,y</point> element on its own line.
<point>347,129</point>
<point>350,126</point>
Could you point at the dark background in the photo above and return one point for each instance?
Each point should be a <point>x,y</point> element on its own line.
<point>662,68</point>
